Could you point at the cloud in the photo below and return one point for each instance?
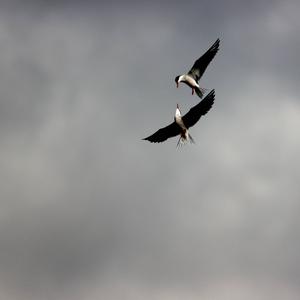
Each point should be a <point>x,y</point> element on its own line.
<point>89,210</point>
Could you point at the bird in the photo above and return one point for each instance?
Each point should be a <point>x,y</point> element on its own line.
<point>181,124</point>
<point>197,70</point>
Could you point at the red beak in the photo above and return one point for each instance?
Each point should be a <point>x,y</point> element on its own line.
<point>177,84</point>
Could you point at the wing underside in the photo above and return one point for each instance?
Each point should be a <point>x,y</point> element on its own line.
<point>164,133</point>
<point>201,63</point>
<point>195,113</point>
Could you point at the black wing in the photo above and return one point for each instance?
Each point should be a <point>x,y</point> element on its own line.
<point>194,114</point>
<point>164,133</point>
<point>201,63</point>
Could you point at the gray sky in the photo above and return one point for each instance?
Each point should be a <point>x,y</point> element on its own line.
<point>90,211</point>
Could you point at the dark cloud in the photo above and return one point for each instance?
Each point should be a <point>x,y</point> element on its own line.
<point>89,210</point>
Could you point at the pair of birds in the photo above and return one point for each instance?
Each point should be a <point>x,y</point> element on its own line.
<point>181,124</point>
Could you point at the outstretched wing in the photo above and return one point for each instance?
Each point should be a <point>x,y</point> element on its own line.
<point>164,133</point>
<point>194,114</point>
<point>201,63</point>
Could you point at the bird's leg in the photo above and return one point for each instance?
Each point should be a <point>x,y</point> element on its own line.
<point>193,91</point>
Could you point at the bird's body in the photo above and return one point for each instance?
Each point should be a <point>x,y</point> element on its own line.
<point>184,133</point>
<point>197,70</point>
<point>178,119</point>
<point>190,81</point>
<point>181,124</point>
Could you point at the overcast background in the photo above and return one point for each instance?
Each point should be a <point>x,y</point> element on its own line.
<point>90,211</point>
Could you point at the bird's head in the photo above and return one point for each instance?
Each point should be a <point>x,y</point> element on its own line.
<point>177,80</point>
<point>178,112</point>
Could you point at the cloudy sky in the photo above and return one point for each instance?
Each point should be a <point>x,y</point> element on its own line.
<point>90,211</point>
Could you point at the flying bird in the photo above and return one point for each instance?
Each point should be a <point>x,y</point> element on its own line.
<point>197,70</point>
<point>182,124</point>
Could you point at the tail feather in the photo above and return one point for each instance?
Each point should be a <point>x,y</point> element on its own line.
<point>191,140</point>
<point>200,92</point>
<point>184,139</point>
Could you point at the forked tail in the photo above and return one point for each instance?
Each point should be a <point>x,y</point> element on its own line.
<point>200,91</point>
<point>184,139</point>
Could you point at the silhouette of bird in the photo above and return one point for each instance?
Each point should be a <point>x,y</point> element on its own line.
<point>197,70</point>
<point>182,124</point>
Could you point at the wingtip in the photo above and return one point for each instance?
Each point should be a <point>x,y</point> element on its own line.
<point>147,139</point>
<point>211,96</point>
<point>215,47</point>
<point>211,93</point>
<point>216,44</point>
<point>150,141</point>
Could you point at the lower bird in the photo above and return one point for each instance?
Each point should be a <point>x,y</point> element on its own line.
<point>181,124</point>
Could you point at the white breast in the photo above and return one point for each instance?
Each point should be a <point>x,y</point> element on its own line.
<point>178,120</point>
<point>191,81</point>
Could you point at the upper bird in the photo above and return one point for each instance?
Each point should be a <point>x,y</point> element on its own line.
<point>182,124</point>
<point>197,70</point>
